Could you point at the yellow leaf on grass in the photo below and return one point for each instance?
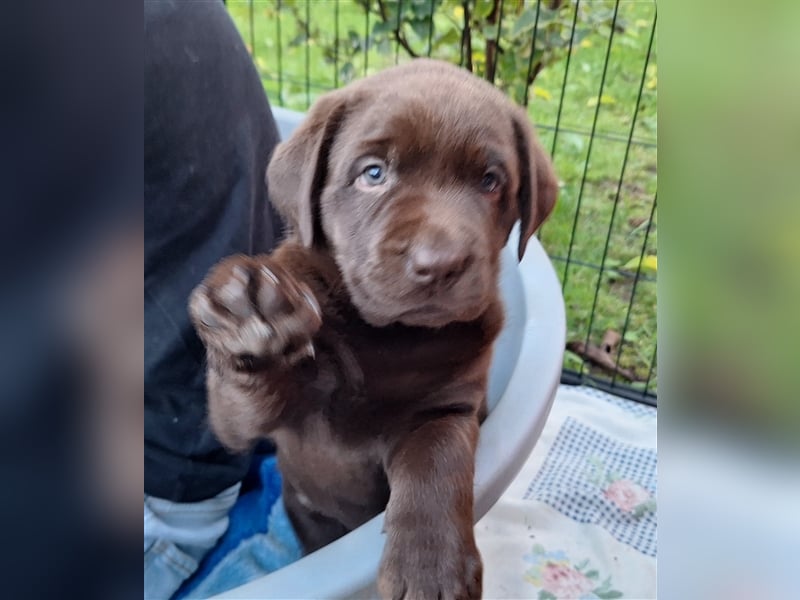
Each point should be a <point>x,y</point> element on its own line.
<point>542,93</point>
<point>587,43</point>
<point>458,12</point>
<point>649,264</point>
<point>604,99</point>
<point>652,74</point>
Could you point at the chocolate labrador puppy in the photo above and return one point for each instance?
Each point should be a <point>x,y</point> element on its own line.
<point>362,344</point>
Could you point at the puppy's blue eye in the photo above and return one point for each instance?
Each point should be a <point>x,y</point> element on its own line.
<point>490,182</point>
<point>374,175</point>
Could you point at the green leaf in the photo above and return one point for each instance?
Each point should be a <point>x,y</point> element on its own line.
<point>545,595</point>
<point>421,27</point>
<point>483,9</point>
<point>604,587</point>
<point>583,564</point>
<point>552,38</point>
<point>489,31</point>
<point>382,45</point>
<point>575,140</point>
<point>593,574</point>
<point>354,40</point>
<point>608,595</point>
<point>347,72</point>
<point>451,37</point>
<point>297,40</point>
<point>423,8</point>
<point>644,508</point>
<point>580,35</point>
<point>572,360</point>
<point>382,27</point>
<point>524,23</point>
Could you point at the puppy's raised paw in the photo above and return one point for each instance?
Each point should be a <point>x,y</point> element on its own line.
<point>252,314</point>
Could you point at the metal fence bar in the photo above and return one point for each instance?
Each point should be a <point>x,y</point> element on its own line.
<point>320,87</point>
<point>572,377</point>
<point>619,190</point>
<point>336,45</point>
<point>308,53</point>
<point>557,128</point>
<point>280,51</point>
<point>612,137</point>
<point>652,368</point>
<point>579,263</point>
<point>636,280</point>
<point>591,144</point>
<point>430,30</point>
<point>466,51</point>
<point>366,38</point>
<point>530,58</point>
<point>649,221</point>
<point>496,56</point>
<point>252,30</point>
<point>564,81</point>
<point>397,28</point>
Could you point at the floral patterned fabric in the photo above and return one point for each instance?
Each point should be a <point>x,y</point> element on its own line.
<point>594,478</point>
<point>557,577</point>
<point>580,519</point>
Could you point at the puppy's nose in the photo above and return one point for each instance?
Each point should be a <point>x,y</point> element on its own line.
<point>436,260</point>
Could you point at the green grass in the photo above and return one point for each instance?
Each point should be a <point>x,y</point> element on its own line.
<point>302,74</point>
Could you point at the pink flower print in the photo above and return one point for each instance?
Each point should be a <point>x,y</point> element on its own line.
<point>627,495</point>
<point>564,582</point>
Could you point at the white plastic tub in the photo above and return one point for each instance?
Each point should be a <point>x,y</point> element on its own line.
<point>525,373</point>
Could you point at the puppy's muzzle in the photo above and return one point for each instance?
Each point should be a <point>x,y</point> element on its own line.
<point>436,260</point>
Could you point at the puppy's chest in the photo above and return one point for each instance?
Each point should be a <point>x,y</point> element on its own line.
<point>396,368</point>
<point>368,385</point>
<point>364,390</point>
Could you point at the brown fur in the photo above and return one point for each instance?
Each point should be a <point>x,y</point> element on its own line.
<point>362,344</point>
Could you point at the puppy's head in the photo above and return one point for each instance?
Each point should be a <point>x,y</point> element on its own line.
<point>413,179</point>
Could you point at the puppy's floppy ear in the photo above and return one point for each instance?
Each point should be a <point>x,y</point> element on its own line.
<point>538,185</point>
<point>298,169</point>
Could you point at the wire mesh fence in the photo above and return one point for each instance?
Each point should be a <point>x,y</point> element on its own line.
<point>587,73</point>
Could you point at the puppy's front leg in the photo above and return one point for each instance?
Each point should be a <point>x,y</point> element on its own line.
<point>430,548</point>
<point>257,322</point>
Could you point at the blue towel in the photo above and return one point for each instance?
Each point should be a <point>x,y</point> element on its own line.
<point>259,539</point>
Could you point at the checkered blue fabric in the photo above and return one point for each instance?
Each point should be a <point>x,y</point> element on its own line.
<point>635,408</point>
<point>568,482</point>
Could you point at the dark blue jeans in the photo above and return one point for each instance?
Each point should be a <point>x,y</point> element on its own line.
<point>209,134</point>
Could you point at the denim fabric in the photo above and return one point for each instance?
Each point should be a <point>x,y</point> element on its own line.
<point>255,557</point>
<point>261,489</point>
<point>208,135</point>
<point>176,537</point>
